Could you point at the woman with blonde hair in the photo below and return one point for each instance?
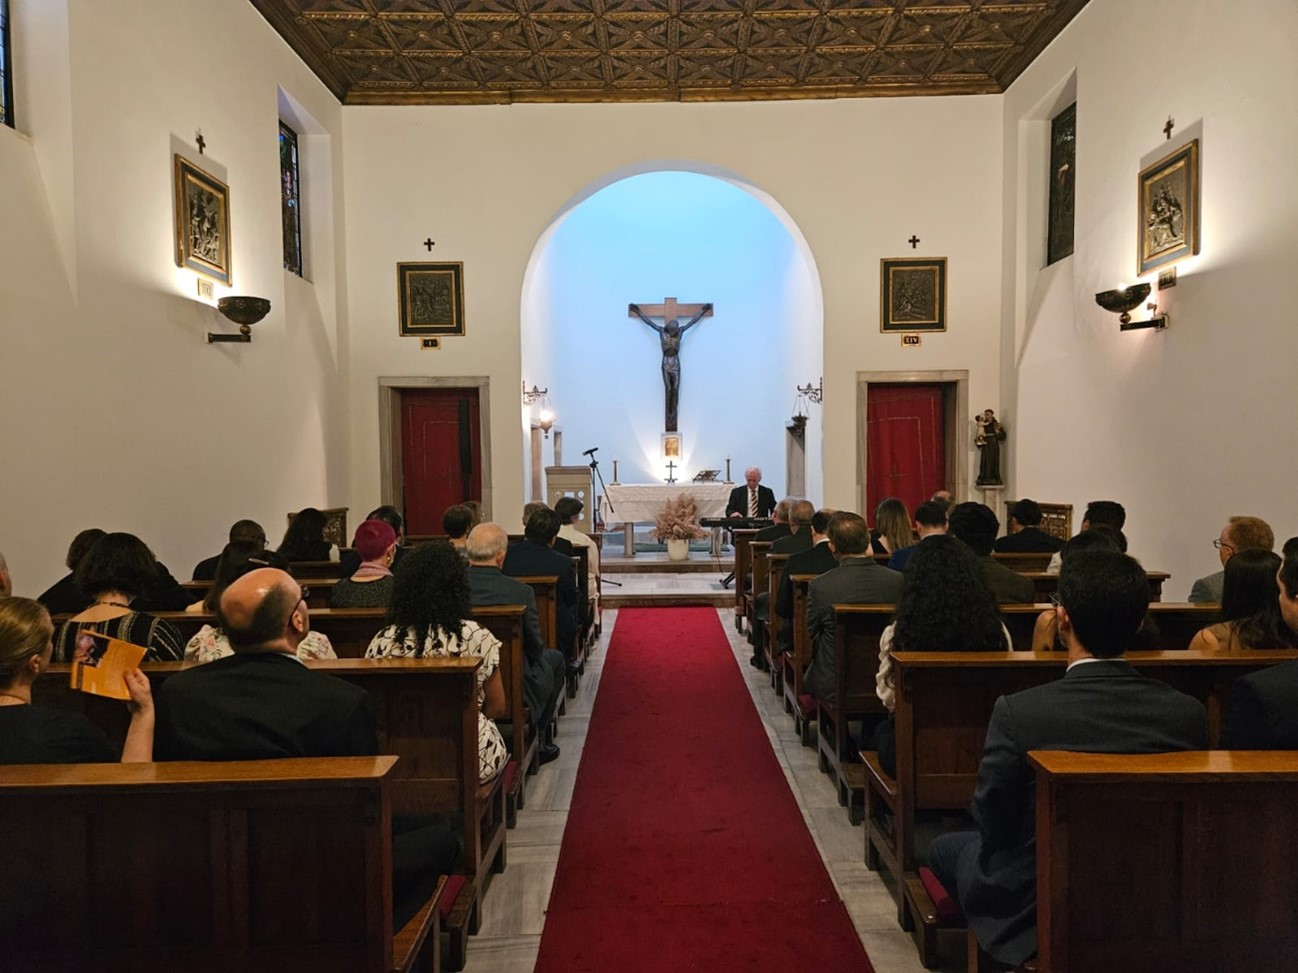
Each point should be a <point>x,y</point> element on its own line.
<point>892,527</point>
<point>41,735</point>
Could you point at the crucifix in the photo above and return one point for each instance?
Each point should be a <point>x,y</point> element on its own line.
<point>670,332</point>
<point>429,244</point>
<point>200,141</point>
<point>913,241</point>
<point>1167,129</point>
<point>671,468</point>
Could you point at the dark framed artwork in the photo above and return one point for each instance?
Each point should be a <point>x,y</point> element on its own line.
<point>1168,207</point>
<point>202,221</point>
<point>431,298</point>
<point>913,293</point>
<point>1063,177</point>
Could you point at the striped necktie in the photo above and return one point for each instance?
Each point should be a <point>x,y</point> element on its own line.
<point>752,501</point>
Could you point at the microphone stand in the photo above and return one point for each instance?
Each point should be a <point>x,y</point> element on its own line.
<point>603,488</point>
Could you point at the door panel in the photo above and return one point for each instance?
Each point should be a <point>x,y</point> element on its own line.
<point>905,444</point>
<point>441,454</point>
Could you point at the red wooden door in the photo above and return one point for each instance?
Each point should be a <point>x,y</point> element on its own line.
<point>905,455</point>
<point>441,454</point>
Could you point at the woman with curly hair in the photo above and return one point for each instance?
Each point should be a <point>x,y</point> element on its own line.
<point>1250,609</point>
<point>944,607</point>
<point>429,618</point>
<point>892,527</point>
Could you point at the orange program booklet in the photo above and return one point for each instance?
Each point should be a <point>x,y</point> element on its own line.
<point>100,662</point>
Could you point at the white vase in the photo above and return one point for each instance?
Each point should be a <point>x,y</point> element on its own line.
<point>678,549</point>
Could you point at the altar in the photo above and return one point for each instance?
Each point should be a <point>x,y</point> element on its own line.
<point>639,503</point>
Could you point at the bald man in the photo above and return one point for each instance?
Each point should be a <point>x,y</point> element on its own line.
<point>544,668</point>
<point>261,702</point>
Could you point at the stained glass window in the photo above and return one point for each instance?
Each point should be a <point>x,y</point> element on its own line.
<point>290,199</point>
<point>6,68</point>
<point>1063,177</point>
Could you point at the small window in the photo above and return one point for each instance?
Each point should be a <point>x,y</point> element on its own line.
<point>1063,177</point>
<point>6,68</point>
<point>291,200</point>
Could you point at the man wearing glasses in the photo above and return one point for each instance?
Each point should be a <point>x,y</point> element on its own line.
<point>1239,534</point>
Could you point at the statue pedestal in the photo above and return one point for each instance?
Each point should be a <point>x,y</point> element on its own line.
<point>991,494</point>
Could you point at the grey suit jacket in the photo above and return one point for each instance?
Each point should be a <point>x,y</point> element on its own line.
<point>1009,587</point>
<point>1098,707</point>
<point>1208,589</point>
<point>856,581</point>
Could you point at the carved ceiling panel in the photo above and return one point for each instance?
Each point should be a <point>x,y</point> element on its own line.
<point>494,51</point>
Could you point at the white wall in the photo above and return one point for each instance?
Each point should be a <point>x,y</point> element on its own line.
<point>117,413</point>
<point>1172,424</point>
<point>857,178</point>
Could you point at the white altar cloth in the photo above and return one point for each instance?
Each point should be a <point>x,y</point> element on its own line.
<point>635,503</point>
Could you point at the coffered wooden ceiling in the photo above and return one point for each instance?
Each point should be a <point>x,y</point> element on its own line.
<point>404,52</point>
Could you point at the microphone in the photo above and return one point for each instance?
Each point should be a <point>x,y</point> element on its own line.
<point>591,452</point>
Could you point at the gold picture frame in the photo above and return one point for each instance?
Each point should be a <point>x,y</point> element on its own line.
<point>912,294</point>
<point>202,221</point>
<point>430,299</point>
<point>1167,225</point>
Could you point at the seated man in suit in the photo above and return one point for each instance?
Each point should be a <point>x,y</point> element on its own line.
<point>1102,705</point>
<point>535,556</point>
<point>752,500</point>
<point>1239,534</point>
<point>817,559</point>
<point>1025,535</point>
<point>858,580</point>
<point>1263,710</point>
<point>977,526</point>
<point>544,669</point>
<point>930,519</point>
<point>262,703</point>
<point>560,544</point>
<point>780,528</point>
<point>1099,513</point>
<point>798,539</point>
<point>241,532</point>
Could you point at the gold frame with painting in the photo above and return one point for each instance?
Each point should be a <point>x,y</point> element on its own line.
<point>671,445</point>
<point>202,221</point>
<point>430,299</point>
<point>1167,224</point>
<point>912,294</point>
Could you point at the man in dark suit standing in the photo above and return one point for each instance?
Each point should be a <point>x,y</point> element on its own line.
<point>858,580</point>
<point>816,559</point>
<point>262,703</point>
<point>544,668</point>
<point>534,556</point>
<point>752,500</point>
<point>977,526</point>
<point>1263,711</point>
<point>1102,705</point>
<point>1025,534</point>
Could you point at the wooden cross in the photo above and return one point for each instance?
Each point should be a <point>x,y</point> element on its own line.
<point>1167,129</point>
<point>671,468</point>
<point>429,244</point>
<point>913,241</point>
<point>201,143</point>
<point>669,310</point>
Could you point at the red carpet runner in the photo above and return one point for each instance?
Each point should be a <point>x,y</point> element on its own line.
<point>685,849</point>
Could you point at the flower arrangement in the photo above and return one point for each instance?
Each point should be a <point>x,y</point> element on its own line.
<point>678,520</point>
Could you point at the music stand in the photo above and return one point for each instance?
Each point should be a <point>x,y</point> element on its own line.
<point>599,516</point>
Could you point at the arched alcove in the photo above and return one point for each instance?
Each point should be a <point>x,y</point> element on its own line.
<point>644,235</point>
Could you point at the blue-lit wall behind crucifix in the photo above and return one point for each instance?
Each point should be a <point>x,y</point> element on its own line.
<point>699,239</point>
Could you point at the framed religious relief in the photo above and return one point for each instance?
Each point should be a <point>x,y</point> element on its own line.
<point>913,291</point>
<point>431,299</point>
<point>202,221</point>
<point>671,445</point>
<point>1168,224</point>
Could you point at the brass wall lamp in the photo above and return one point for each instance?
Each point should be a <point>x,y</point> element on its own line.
<point>1122,302</point>
<point>243,311</point>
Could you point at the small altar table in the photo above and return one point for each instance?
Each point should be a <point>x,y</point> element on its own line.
<point>639,503</point>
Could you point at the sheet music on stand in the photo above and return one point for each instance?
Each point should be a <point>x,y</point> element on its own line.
<point>706,476</point>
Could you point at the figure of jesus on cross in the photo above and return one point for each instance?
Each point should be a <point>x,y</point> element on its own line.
<point>670,333</point>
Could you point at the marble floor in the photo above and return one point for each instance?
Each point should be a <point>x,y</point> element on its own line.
<point>514,912</point>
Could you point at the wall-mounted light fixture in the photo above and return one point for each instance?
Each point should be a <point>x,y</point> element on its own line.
<point>545,414</point>
<point>1122,302</point>
<point>815,393</point>
<point>243,311</point>
<point>531,395</point>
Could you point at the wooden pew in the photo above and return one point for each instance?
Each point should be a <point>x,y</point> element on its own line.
<point>856,664</point>
<point>944,702</point>
<point>1167,862</point>
<point>427,712</point>
<point>796,698</point>
<point>1023,563</point>
<point>774,623</point>
<point>321,589</point>
<point>1047,584</point>
<point>1177,622</point>
<point>506,623</point>
<point>315,569</point>
<point>252,865</point>
<point>741,539</point>
<point>757,553</point>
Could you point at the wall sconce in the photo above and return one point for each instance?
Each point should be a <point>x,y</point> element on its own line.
<point>816,394</point>
<point>1123,302</point>
<point>545,417</point>
<point>243,311</point>
<point>532,394</point>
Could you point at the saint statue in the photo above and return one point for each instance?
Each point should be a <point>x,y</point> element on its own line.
<point>671,333</point>
<point>988,439</point>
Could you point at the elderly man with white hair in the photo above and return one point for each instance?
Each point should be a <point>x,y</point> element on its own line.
<point>752,499</point>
